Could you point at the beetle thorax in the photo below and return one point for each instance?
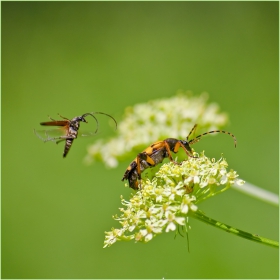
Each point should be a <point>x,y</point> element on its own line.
<point>73,128</point>
<point>171,143</point>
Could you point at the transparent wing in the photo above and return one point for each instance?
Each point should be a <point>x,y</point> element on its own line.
<point>53,134</point>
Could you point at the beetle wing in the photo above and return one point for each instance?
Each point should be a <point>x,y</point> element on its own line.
<point>145,156</point>
<point>50,134</point>
<point>157,145</point>
<point>56,123</point>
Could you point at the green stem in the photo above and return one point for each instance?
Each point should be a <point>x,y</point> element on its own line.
<point>253,237</point>
<point>259,193</point>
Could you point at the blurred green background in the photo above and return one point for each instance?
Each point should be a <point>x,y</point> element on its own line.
<point>77,57</point>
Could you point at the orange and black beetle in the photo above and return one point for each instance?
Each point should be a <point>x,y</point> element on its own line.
<point>158,151</point>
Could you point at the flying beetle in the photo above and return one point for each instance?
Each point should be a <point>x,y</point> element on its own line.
<point>69,129</point>
<point>160,150</point>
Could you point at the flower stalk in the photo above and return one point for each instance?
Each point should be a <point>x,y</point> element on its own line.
<point>258,193</point>
<point>253,237</point>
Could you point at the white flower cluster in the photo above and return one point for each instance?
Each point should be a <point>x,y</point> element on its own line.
<point>164,203</point>
<point>155,120</point>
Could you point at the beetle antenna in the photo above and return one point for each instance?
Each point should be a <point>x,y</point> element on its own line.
<point>107,116</point>
<point>97,126</point>
<point>191,131</point>
<point>197,138</point>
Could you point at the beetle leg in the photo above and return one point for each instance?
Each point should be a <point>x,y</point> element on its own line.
<point>138,169</point>
<point>178,145</point>
<point>52,119</point>
<point>63,117</point>
<point>59,139</point>
<point>62,138</point>
<point>186,151</point>
<point>143,157</point>
<point>169,152</point>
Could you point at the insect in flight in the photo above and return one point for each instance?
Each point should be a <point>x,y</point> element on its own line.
<point>69,128</point>
<point>158,151</point>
